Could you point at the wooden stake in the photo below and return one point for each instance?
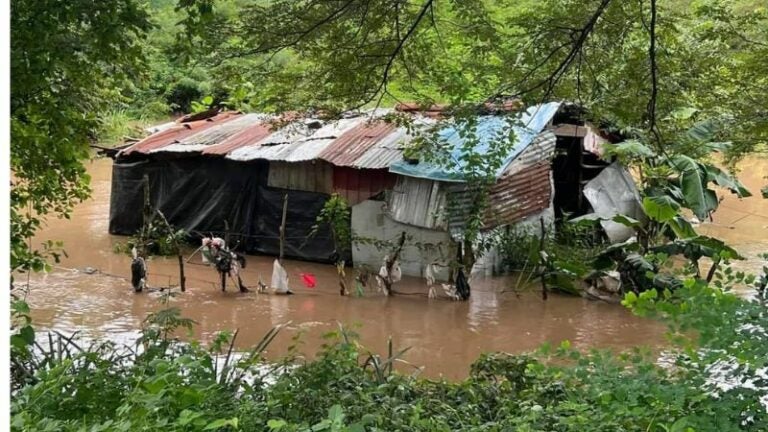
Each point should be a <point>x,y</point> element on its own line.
<point>545,261</point>
<point>146,218</point>
<point>282,228</point>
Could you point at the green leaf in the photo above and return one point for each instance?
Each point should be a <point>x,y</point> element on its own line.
<point>627,221</point>
<point>726,180</point>
<point>20,307</point>
<point>718,246</point>
<point>208,100</point>
<point>276,424</point>
<point>629,299</point>
<point>220,423</point>
<point>660,208</point>
<point>629,149</point>
<point>684,113</point>
<point>27,334</point>
<point>681,227</point>
<point>703,131</point>
<point>693,184</point>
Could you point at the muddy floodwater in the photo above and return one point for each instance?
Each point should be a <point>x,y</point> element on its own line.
<point>445,337</point>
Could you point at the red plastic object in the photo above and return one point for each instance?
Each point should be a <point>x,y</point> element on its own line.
<point>308,279</point>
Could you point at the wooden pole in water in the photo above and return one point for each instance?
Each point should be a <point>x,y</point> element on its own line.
<point>544,261</point>
<point>146,218</point>
<point>282,228</point>
<point>179,256</point>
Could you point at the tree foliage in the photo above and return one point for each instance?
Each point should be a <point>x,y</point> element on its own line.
<point>69,59</point>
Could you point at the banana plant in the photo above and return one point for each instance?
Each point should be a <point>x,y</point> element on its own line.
<point>680,180</point>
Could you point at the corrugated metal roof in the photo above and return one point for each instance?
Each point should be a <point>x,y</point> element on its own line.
<point>296,142</point>
<point>488,129</point>
<point>176,133</point>
<point>355,142</point>
<point>246,136</point>
<point>362,141</point>
<point>384,152</point>
<point>213,135</point>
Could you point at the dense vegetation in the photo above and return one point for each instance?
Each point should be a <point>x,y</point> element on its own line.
<point>712,381</point>
<point>679,79</point>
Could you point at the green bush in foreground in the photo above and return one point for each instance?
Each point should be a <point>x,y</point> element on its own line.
<point>164,384</point>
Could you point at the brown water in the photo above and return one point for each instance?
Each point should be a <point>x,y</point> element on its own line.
<point>743,223</point>
<point>445,337</point>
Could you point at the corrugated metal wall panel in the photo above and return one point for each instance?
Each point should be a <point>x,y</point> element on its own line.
<point>357,185</point>
<point>305,176</point>
<point>541,149</point>
<point>512,198</point>
<point>516,196</point>
<point>418,202</point>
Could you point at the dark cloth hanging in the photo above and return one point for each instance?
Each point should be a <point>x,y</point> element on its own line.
<point>200,194</point>
<point>138,274</point>
<point>462,285</point>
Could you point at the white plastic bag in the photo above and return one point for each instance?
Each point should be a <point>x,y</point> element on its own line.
<point>429,275</point>
<point>279,278</point>
<point>397,274</point>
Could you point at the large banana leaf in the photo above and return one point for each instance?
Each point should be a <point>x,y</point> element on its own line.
<point>724,179</point>
<point>660,208</point>
<point>693,182</point>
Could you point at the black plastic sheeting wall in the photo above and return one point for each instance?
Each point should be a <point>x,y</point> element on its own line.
<point>199,194</point>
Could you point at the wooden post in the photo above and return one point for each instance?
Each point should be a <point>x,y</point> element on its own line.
<point>182,279</point>
<point>177,246</point>
<point>146,218</point>
<point>544,261</point>
<point>282,228</point>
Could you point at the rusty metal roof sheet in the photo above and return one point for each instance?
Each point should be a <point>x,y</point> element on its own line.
<point>296,142</point>
<point>355,142</point>
<point>385,152</point>
<point>247,136</point>
<point>176,133</point>
<point>362,140</point>
<point>512,198</point>
<point>213,135</point>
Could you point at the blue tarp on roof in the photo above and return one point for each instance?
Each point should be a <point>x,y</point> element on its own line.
<point>488,128</point>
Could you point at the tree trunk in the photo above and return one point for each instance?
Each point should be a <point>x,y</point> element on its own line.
<point>391,263</point>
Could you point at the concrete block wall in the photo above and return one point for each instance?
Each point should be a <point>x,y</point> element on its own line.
<point>370,220</point>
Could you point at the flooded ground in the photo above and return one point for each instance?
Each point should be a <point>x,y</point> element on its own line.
<point>444,336</point>
<point>743,223</point>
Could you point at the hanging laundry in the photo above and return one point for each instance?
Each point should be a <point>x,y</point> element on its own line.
<point>397,274</point>
<point>429,274</point>
<point>280,279</point>
<point>450,291</point>
<point>138,271</point>
<point>462,286</point>
<point>308,279</point>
